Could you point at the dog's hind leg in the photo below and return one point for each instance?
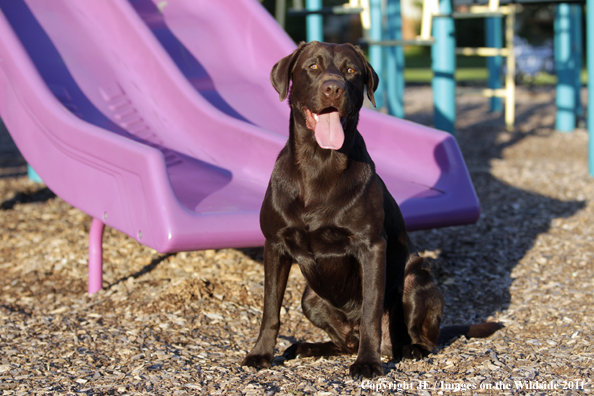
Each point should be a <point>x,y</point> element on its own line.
<point>344,336</point>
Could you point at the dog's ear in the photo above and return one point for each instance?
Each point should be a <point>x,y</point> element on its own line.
<point>372,82</point>
<point>371,78</point>
<point>280,76</point>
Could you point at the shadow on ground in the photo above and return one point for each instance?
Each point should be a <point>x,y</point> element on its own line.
<point>43,194</point>
<point>12,163</point>
<point>474,262</point>
<point>145,270</point>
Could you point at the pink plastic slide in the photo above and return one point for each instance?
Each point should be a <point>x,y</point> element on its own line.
<point>158,119</point>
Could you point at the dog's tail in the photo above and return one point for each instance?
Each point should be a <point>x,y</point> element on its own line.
<point>479,330</point>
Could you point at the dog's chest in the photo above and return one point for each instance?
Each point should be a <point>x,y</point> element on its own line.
<point>321,228</point>
<point>326,259</point>
<point>303,242</point>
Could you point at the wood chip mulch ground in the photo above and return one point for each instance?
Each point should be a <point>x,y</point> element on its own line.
<point>180,324</point>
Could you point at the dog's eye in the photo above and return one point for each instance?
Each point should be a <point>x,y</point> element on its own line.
<point>350,70</point>
<point>313,66</point>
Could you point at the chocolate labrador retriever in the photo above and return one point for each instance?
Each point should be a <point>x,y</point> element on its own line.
<point>327,210</point>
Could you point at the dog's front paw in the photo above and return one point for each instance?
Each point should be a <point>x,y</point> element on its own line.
<point>258,361</point>
<point>360,370</point>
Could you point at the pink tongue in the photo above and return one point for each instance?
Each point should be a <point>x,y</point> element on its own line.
<point>329,132</point>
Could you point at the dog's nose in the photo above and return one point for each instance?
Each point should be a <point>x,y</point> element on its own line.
<point>332,89</point>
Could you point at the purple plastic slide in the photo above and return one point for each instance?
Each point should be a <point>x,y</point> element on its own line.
<point>158,119</point>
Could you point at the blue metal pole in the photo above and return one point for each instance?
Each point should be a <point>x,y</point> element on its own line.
<point>565,68</point>
<point>33,175</point>
<point>314,23</point>
<point>394,60</point>
<point>444,66</point>
<point>375,51</point>
<point>590,66</point>
<point>577,52</point>
<point>494,39</point>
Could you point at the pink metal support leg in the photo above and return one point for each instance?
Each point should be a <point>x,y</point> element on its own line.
<point>95,256</point>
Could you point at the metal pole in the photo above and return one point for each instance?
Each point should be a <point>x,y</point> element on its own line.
<point>33,176</point>
<point>494,39</point>
<point>280,12</point>
<point>565,67</point>
<point>577,51</point>
<point>314,23</point>
<point>96,256</point>
<point>590,65</point>
<point>375,51</point>
<point>510,84</point>
<point>443,54</point>
<point>394,60</point>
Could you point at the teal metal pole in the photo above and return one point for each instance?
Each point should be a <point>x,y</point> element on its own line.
<point>494,39</point>
<point>577,52</point>
<point>444,66</point>
<point>33,175</point>
<point>375,51</point>
<point>394,60</point>
<point>314,23</point>
<point>590,66</point>
<point>565,68</point>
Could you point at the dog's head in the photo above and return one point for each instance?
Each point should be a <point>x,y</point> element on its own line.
<point>327,83</point>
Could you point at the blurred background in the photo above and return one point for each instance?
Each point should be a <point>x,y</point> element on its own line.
<point>533,41</point>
